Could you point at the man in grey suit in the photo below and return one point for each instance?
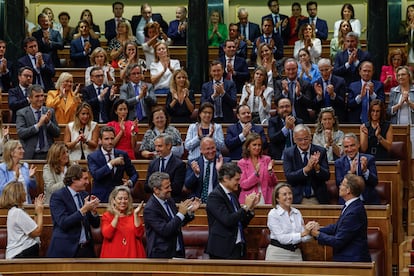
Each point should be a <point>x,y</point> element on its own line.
<point>138,94</point>
<point>36,125</point>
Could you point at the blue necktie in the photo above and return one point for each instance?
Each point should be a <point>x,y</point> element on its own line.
<point>169,212</point>
<point>364,111</point>
<point>327,98</point>
<point>139,107</point>
<point>84,233</point>
<point>308,188</point>
<point>41,133</point>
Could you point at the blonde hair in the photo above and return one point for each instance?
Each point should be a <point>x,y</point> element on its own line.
<point>173,82</point>
<point>8,149</point>
<point>159,43</point>
<point>13,194</point>
<point>76,121</point>
<point>98,50</point>
<point>53,156</point>
<point>113,195</point>
<point>64,76</point>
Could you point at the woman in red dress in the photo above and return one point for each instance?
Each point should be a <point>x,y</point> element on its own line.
<point>122,227</point>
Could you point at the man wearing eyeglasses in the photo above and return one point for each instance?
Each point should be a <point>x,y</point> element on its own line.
<point>306,168</point>
<point>330,90</point>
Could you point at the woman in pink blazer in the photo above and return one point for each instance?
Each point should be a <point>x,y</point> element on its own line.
<point>257,170</point>
<point>396,58</point>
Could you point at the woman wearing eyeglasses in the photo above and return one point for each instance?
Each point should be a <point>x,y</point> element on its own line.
<point>396,58</point>
<point>376,135</point>
<point>328,135</point>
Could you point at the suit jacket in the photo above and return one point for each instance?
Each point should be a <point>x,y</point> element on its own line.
<point>395,95</point>
<point>104,179</point>
<point>110,28</point>
<point>223,223</point>
<point>338,103</point>
<point>7,79</point>
<point>175,169</point>
<point>229,99</point>
<point>162,232</point>
<point>194,183</point>
<point>369,194</point>
<point>56,43</point>
<point>254,31</point>
<point>47,72</point>
<point>301,104</point>
<point>241,51</point>
<point>321,27</point>
<point>67,224</point>
<point>350,74</point>
<point>29,135</point>
<point>355,108</point>
<point>277,138</point>
<point>242,74</point>
<point>233,142</point>
<point>348,236</point>
<point>293,167</point>
<point>285,32</point>
<point>77,55</point>
<point>17,100</point>
<point>156,17</point>
<point>89,95</point>
<point>277,48</point>
<point>179,39</point>
<point>127,92</point>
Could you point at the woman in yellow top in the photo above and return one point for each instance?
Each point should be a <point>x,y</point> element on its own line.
<point>64,100</point>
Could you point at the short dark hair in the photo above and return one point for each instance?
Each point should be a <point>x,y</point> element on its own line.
<point>27,40</point>
<point>74,172</point>
<point>240,106</point>
<point>63,14</point>
<point>97,68</point>
<point>157,109</point>
<point>41,15</point>
<point>106,129</point>
<point>216,62</point>
<point>228,169</point>
<point>269,2</point>
<point>355,183</point>
<point>117,103</point>
<point>21,69</point>
<point>117,3</point>
<point>310,3</point>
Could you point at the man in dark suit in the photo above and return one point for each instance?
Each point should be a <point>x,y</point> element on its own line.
<point>139,95</point>
<point>348,236</point>
<point>362,92</point>
<point>347,61</point>
<point>321,27</point>
<point>268,37</point>
<point>41,64</point>
<point>49,40</point>
<point>36,125</point>
<point>73,213</point>
<point>221,93</point>
<point>18,96</point>
<point>280,129</point>
<point>112,24</point>
<point>169,163</point>
<point>99,96</point>
<point>330,90</point>
<point>138,22</point>
<point>237,133</point>
<point>177,29</point>
<point>162,220</point>
<point>280,21</point>
<point>299,92</point>
<point>306,168</point>
<point>249,31</point>
<point>82,47</point>
<point>354,162</point>
<point>226,218</point>
<point>6,69</point>
<point>108,166</point>
<point>201,176</point>
<point>236,68</point>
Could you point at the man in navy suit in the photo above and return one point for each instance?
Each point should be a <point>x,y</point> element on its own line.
<point>360,164</point>
<point>73,213</point>
<point>237,133</point>
<point>49,40</point>
<point>280,22</point>
<point>112,24</point>
<point>200,179</point>
<point>362,92</point>
<point>226,218</point>
<point>306,168</point>
<point>18,96</point>
<point>330,90</point>
<point>236,68</point>
<point>249,31</point>
<point>108,165</point>
<point>82,47</point>
<point>280,129</point>
<point>221,93</point>
<point>163,221</point>
<point>300,92</point>
<point>169,163</point>
<point>274,40</point>
<point>348,236</point>
<point>347,61</point>
<point>177,29</point>
<point>99,96</point>
<point>41,64</point>
<point>138,22</point>
<point>6,69</point>
<point>321,27</point>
